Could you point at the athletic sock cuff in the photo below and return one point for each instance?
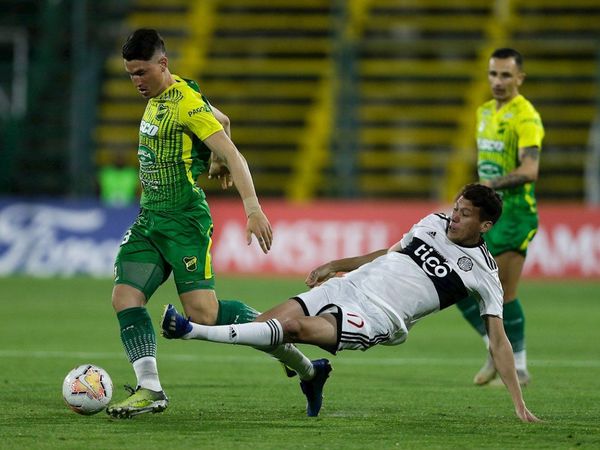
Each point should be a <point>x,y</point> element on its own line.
<point>234,311</point>
<point>137,333</point>
<point>514,324</point>
<point>513,308</point>
<point>131,316</point>
<point>470,311</point>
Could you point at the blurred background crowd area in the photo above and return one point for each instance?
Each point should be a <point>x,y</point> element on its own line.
<point>327,98</point>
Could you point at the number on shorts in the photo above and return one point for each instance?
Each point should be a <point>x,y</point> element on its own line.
<point>126,237</point>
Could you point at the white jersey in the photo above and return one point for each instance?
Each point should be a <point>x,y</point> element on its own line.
<point>430,273</point>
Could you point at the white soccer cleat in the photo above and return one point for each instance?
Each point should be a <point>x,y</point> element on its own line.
<point>523,376</point>
<point>486,374</point>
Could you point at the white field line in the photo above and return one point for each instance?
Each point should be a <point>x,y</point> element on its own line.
<point>257,358</point>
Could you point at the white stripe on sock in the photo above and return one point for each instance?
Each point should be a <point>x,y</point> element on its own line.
<point>260,334</point>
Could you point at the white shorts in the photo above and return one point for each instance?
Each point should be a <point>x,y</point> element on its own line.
<point>361,323</point>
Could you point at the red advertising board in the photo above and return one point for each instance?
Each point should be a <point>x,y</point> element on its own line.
<point>567,243</point>
<point>307,235</point>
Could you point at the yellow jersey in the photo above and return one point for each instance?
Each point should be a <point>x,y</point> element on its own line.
<point>170,152</point>
<point>500,134</point>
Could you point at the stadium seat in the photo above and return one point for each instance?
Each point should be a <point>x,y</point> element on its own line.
<point>265,63</point>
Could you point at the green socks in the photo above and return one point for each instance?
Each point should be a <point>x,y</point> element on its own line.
<point>137,333</point>
<point>470,311</point>
<point>514,325</point>
<point>233,311</point>
<point>514,321</point>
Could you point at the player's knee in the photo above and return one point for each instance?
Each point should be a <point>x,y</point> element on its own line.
<point>124,297</point>
<point>121,303</point>
<point>116,303</point>
<point>292,330</point>
<point>201,306</point>
<point>296,330</point>
<point>202,316</point>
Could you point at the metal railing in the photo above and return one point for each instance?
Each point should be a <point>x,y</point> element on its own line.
<point>592,166</point>
<point>14,103</point>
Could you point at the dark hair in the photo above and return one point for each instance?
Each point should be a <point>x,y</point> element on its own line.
<point>142,44</point>
<point>484,198</point>
<point>505,53</point>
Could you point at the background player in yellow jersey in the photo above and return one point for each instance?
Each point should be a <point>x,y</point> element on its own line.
<point>509,141</point>
<point>172,234</point>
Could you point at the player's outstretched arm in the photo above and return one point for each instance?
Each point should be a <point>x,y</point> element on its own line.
<point>223,120</point>
<point>217,167</point>
<point>258,224</point>
<point>501,352</point>
<point>330,269</point>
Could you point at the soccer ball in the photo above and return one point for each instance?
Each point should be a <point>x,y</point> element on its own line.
<point>87,389</point>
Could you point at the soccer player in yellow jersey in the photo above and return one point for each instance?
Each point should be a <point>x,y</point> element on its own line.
<point>178,134</point>
<point>509,141</point>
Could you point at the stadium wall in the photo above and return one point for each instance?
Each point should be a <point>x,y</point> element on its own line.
<point>62,238</point>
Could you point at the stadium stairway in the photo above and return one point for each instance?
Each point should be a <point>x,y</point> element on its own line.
<point>261,71</point>
<point>560,42</point>
<point>417,59</point>
<point>264,72</point>
<point>422,77</point>
<point>421,69</point>
<point>121,107</point>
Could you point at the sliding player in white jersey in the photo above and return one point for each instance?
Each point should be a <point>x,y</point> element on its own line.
<point>438,262</point>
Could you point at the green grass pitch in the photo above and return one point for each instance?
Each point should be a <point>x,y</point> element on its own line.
<point>417,395</point>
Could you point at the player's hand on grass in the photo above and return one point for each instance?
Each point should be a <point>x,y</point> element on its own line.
<point>259,226</point>
<point>525,415</point>
<point>320,275</point>
<point>220,171</point>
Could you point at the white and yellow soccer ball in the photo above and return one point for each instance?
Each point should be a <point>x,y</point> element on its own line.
<point>87,389</point>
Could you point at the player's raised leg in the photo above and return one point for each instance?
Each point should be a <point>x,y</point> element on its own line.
<point>200,306</point>
<point>269,336</point>
<point>268,330</point>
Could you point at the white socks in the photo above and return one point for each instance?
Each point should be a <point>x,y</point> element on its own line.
<point>266,336</point>
<point>289,355</point>
<point>520,357</point>
<point>147,373</point>
<point>521,360</point>
<point>256,334</point>
<point>486,341</point>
